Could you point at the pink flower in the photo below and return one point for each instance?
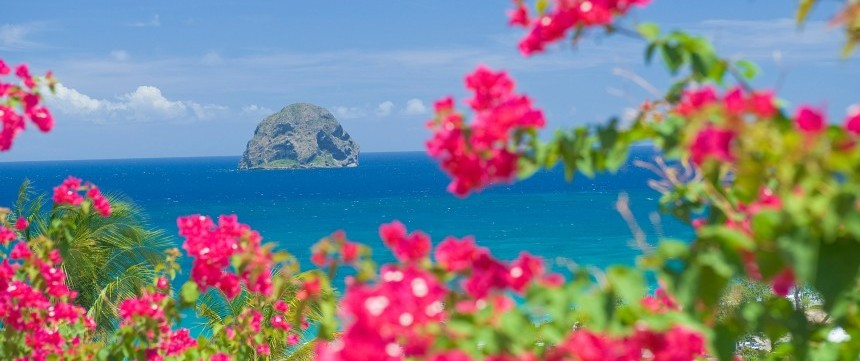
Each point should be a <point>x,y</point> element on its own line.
<point>263,349</point>
<point>457,255</point>
<point>520,15</point>
<point>20,251</point>
<point>4,69</point>
<point>392,233</point>
<point>100,202</point>
<point>6,236</point>
<point>349,252</point>
<point>766,200</point>
<point>162,283</point>
<point>693,101</point>
<point>281,306</point>
<point>292,339</point>
<point>660,302</point>
<point>21,224</point>
<point>177,342</point>
<point>712,143</point>
<point>278,321</point>
<point>487,274</point>
<point>734,101</point>
<point>398,307</point>
<point>852,122</point>
<point>678,343</point>
<point>452,355</point>
<point>67,192</point>
<point>220,357</point>
<point>809,120</point>
<point>212,248</point>
<point>484,152</point>
<point>407,248</point>
<point>320,259</point>
<point>24,73</point>
<point>523,270</point>
<point>310,288</point>
<point>763,104</point>
<point>42,117</point>
<point>568,15</point>
<point>783,282</point>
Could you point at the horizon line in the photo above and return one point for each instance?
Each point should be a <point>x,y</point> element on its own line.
<point>168,157</point>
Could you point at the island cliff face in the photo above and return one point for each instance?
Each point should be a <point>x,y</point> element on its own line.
<point>301,135</point>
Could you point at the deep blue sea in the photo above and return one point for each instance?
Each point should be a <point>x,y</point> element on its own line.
<point>544,215</point>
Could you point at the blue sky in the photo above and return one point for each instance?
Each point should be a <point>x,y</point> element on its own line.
<point>193,78</point>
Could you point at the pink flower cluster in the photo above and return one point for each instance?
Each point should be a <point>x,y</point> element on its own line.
<point>212,247</point>
<point>35,302</point>
<point>27,98</point>
<point>485,151</point>
<point>69,192</point>
<point>712,142</point>
<point>147,312</point>
<point>676,344</point>
<point>660,302</point>
<point>6,235</point>
<point>566,15</point>
<point>325,251</point>
<point>767,200</point>
<point>398,316</point>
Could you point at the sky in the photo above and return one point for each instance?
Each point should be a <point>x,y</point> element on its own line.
<point>146,79</point>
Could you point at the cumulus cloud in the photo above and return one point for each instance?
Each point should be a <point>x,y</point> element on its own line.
<point>415,107</point>
<point>146,103</point>
<point>348,112</point>
<point>385,108</point>
<point>119,55</point>
<point>152,22</point>
<point>256,110</point>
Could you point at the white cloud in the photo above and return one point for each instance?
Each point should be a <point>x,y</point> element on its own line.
<point>385,108</point>
<point>348,112</point>
<point>119,55</point>
<point>155,21</point>
<point>14,36</point>
<point>146,103</point>
<point>212,58</point>
<point>763,39</point>
<point>415,107</point>
<point>256,110</point>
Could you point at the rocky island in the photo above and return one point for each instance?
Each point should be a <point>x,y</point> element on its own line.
<point>300,136</point>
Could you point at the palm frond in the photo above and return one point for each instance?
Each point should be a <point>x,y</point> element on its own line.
<point>302,352</point>
<point>106,259</point>
<point>122,287</point>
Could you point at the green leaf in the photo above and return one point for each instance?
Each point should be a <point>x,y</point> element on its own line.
<point>649,52</point>
<point>189,293</point>
<point>718,71</point>
<point>701,69</point>
<point>837,269</point>
<point>674,94</point>
<point>747,69</point>
<point>526,167</point>
<point>627,283</point>
<point>650,31</point>
<point>673,56</point>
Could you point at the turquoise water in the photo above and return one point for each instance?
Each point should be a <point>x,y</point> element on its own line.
<point>543,215</point>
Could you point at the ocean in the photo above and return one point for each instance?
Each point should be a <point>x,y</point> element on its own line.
<point>543,215</point>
